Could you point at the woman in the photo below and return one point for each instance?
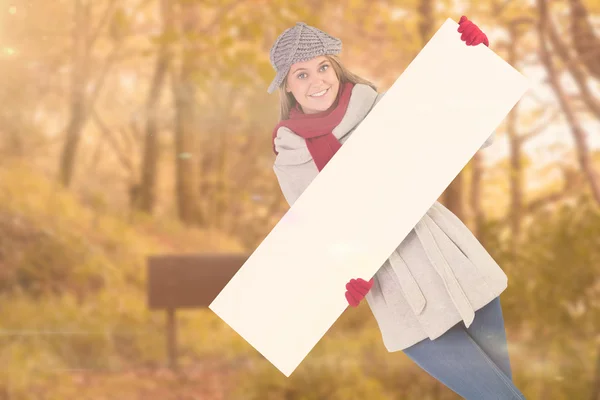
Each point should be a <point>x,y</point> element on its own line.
<point>440,274</point>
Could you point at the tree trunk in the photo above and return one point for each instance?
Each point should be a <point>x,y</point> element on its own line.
<point>585,42</point>
<point>147,191</point>
<point>475,198</point>
<point>79,76</point>
<point>583,153</point>
<point>221,201</point>
<point>577,72</point>
<point>186,136</point>
<point>596,380</point>
<point>425,9</point>
<point>516,167</point>
<point>16,145</point>
<point>216,182</point>
<point>453,196</point>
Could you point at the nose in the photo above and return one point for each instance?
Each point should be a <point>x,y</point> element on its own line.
<point>316,81</point>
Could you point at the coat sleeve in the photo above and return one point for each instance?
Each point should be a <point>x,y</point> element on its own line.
<point>488,141</point>
<point>288,188</point>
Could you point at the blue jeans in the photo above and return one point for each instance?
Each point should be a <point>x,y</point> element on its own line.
<point>473,361</point>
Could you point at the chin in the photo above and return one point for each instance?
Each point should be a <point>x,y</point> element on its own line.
<point>323,107</point>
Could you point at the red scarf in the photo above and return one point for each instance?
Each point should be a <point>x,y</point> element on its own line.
<point>317,128</point>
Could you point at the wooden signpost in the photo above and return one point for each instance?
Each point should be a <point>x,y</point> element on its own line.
<point>187,282</point>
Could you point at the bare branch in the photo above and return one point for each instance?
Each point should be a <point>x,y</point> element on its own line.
<point>501,45</point>
<point>575,70</point>
<point>498,8</point>
<point>573,183</point>
<point>540,126</point>
<point>583,153</point>
<point>128,139</point>
<point>584,57</point>
<point>108,13</point>
<point>137,132</point>
<point>536,98</point>
<point>111,8</point>
<point>544,201</point>
<point>223,10</point>
<point>112,140</point>
<point>108,64</point>
<point>522,20</point>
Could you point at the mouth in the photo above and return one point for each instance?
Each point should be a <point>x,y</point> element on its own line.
<point>319,94</point>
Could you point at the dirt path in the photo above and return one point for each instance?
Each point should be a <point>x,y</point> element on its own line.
<point>201,382</point>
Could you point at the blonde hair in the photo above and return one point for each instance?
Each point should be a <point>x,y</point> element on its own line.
<point>287,100</point>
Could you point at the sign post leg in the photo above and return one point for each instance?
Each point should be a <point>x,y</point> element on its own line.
<point>172,338</point>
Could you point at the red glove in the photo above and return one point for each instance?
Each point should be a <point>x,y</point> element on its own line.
<point>471,34</point>
<point>356,290</point>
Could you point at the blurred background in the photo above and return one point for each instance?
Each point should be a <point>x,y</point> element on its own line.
<point>139,127</point>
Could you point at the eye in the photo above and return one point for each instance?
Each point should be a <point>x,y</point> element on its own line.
<point>300,76</point>
<point>324,67</point>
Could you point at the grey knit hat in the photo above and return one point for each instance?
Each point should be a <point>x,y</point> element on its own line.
<point>300,43</point>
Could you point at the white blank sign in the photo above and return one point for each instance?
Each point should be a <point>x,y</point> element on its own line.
<point>369,197</point>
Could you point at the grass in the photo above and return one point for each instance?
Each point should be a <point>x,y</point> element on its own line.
<point>74,321</point>
<point>73,288</point>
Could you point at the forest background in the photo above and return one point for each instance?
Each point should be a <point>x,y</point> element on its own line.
<point>141,127</point>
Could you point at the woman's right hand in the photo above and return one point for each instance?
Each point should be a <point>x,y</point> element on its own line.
<point>356,290</point>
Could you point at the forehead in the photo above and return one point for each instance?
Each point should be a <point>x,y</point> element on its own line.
<point>313,62</point>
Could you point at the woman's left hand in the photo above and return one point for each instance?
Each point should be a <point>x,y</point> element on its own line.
<point>471,34</point>
<point>356,290</point>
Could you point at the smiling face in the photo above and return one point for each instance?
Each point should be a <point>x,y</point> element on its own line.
<point>314,84</point>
